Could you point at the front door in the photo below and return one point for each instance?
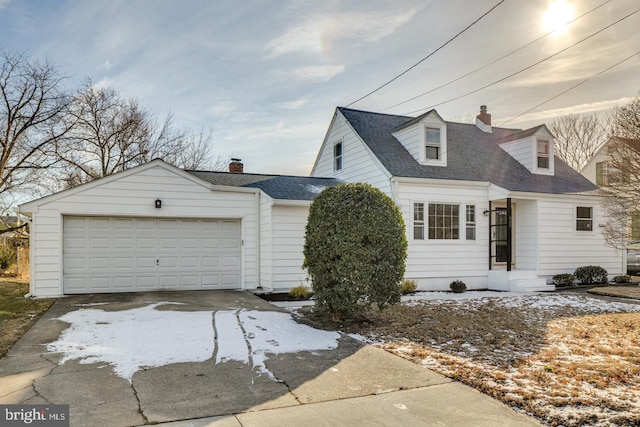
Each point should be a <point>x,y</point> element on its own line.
<point>502,238</point>
<point>500,232</point>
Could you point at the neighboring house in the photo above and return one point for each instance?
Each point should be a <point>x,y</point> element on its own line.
<point>600,171</point>
<point>490,206</point>
<point>157,227</point>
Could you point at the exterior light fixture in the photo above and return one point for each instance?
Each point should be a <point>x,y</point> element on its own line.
<point>485,212</point>
<point>158,203</point>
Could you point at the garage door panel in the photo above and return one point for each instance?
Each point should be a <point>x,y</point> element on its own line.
<point>123,283</point>
<point>123,243</point>
<point>142,262</point>
<point>146,243</point>
<point>99,283</point>
<point>76,263</point>
<point>189,262</point>
<point>123,263</point>
<point>130,254</point>
<point>100,263</point>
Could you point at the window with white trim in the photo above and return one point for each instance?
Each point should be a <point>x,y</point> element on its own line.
<point>444,221</point>
<point>337,156</point>
<point>418,221</point>
<point>543,154</point>
<point>584,218</point>
<point>471,222</point>
<point>432,146</point>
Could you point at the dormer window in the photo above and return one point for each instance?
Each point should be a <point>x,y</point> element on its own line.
<point>337,156</point>
<point>432,143</point>
<point>543,154</point>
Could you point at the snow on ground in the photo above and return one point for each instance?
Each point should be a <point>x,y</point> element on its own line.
<point>146,337</point>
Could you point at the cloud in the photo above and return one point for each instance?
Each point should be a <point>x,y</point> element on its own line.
<point>320,33</point>
<point>4,3</point>
<point>320,73</point>
<point>104,83</point>
<point>548,115</point>
<point>293,105</point>
<point>106,65</point>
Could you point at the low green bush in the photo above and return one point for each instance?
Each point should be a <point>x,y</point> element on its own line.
<point>623,278</point>
<point>408,286</point>
<point>591,275</point>
<point>300,292</point>
<point>563,279</point>
<point>458,286</point>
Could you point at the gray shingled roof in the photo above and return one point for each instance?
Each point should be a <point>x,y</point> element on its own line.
<point>277,186</point>
<point>473,155</point>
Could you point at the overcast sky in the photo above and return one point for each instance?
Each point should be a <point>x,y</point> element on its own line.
<point>267,75</point>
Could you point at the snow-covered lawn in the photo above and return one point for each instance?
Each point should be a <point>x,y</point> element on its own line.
<point>150,336</point>
<point>569,360</point>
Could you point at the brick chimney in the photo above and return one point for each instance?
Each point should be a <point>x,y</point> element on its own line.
<point>483,120</point>
<point>236,166</point>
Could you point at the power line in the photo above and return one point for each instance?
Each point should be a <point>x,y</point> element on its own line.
<point>571,88</point>
<point>528,67</point>
<point>426,57</point>
<point>494,61</point>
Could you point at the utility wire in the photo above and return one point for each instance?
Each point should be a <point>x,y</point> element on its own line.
<point>528,67</point>
<point>494,61</point>
<point>426,57</point>
<point>571,88</point>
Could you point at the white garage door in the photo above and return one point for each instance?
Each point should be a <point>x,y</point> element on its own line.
<point>105,254</point>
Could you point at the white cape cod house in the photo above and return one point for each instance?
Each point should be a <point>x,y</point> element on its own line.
<point>490,206</point>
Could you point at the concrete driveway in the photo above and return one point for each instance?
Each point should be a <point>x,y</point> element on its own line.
<point>223,358</point>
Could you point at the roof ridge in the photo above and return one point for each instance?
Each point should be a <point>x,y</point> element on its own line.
<point>259,174</point>
<point>376,113</point>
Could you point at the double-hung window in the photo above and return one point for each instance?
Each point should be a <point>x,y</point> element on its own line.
<point>543,154</point>
<point>432,148</point>
<point>584,218</point>
<point>444,221</point>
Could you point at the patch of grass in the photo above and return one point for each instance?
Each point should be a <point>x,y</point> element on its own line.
<point>17,313</point>
<point>565,364</point>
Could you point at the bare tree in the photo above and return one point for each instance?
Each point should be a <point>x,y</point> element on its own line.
<point>111,134</point>
<point>621,194</point>
<point>577,137</point>
<point>32,103</point>
<point>196,152</point>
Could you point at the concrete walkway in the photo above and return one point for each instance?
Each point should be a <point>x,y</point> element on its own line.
<point>354,384</point>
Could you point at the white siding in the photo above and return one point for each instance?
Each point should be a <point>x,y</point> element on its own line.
<point>526,234</point>
<point>289,224</point>
<point>266,242</point>
<point>358,164</point>
<point>412,140</point>
<point>521,150</point>
<point>563,249</point>
<point>435,263</point>
<point>133,194</point>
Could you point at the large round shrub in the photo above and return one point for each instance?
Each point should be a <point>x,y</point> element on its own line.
<point>355,248</point>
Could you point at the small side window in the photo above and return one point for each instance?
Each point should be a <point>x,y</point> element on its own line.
<point>584,218</point>
<point>418,221</point>
<point>337,156</point>
<point>471,222</point>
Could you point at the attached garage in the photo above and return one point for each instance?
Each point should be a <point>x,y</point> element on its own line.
<point>127,254</point>
<point>156,227</point>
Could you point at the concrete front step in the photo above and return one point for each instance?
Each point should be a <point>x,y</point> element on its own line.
<point>530,285</point>
<point>517,281</point>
